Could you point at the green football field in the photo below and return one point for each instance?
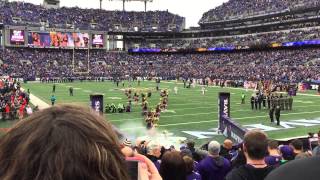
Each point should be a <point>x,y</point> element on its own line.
<point>190,114</point>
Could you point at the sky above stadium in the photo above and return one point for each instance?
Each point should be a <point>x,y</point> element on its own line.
<point>191,9</point>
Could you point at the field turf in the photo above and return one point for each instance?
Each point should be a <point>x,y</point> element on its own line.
<point>187,111</point>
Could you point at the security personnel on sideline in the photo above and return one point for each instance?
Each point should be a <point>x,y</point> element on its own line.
<point>277,114</point>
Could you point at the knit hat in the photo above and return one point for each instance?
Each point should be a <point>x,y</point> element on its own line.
<point>186,152</point>
<point>287,152</point>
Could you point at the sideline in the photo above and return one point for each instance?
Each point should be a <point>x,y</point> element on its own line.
<point>37,101</point>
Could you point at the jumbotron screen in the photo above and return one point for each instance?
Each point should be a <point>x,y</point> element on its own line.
<point>97,40</point>
<point>81,40</point>
<point>16,37</point>
<point>58,39</point>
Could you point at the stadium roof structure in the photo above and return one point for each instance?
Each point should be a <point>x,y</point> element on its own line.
<point>124,1</point>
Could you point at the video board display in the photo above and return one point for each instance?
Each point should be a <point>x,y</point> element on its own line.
<point>81,40</point>
<point>39,39</point>
<point>61,39</point>
<point>97,40</point>
<point>16,37</point>
<point>58,39</point>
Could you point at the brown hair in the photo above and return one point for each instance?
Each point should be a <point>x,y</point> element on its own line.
<point>189,164</point>
<point>256,144</point>
<point>297,144</point>
<point>60,143</point>
<point>172,166</point>
<point>273,144</point>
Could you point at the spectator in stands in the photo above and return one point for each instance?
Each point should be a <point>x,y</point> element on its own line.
<point>307,169</point>
<point>191,174</point>
<point>62,142</point>
<point>226,148</point>
<point>29,110</point>
<point>239,159</point>
<point>303,155</point>
<point>48,64</point>
<point>154,153</point>
<point>286,153</point>
<point>86,19</point>
<point>255,146</point>
<point>173,166</point>
<point>297,146</point>
<point>274,158</point>
<point>214,166</point>
<point>197,154</point>
<point>316,150</point>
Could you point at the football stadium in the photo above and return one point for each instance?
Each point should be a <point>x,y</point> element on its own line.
<point>96,92</point>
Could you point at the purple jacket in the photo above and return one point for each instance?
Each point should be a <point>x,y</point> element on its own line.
<point>194,176</point>
<point>214,168</point>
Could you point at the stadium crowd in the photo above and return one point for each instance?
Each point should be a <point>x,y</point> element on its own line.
<point>70,142</point>
<point>235,9</point>
<point>294,65</point>
<point>21,13</point>
<point>247,40</point>
<point>14,103</point>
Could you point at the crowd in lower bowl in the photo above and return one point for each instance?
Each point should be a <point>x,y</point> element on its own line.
<point>71,142</point>
<point>293,65</point>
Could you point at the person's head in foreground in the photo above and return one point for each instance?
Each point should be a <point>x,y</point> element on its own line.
<point>62,143</point>
<point>301,169</point>
<point>255,145</point>
<point>173,166</point>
